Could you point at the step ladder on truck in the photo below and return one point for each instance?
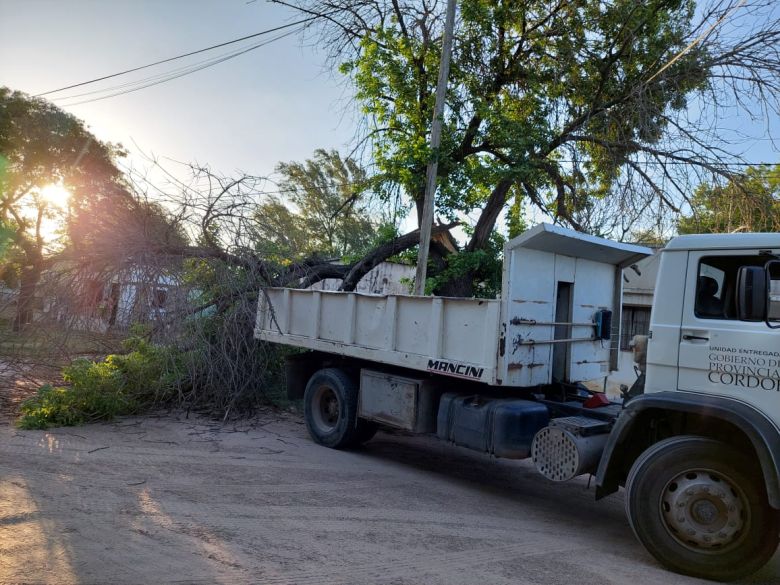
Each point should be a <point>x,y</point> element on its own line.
<point>695,441</point>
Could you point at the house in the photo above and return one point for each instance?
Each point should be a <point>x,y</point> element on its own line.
<point>111,299</point>
<point>7,302</point>
<point>387,278</point>
<point>638,291</point>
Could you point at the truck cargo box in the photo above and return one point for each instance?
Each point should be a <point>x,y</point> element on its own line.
<point>552,321</point>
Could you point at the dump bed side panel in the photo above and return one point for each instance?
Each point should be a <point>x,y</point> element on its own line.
<point>450,336</point>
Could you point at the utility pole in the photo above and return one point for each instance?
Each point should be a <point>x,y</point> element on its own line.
<point>426,222</point>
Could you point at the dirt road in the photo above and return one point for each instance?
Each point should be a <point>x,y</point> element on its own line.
<point>171,500</point>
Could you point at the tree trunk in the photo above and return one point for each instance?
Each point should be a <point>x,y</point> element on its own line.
<point>489,216</point>
<point>463,285</point>
<point>383,252</point>
<point>25,302</point>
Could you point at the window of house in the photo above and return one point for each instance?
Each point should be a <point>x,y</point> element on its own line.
<point>716,285</point>
<point>635,321</point>
<point>94,292</point>
<point>159,296</point>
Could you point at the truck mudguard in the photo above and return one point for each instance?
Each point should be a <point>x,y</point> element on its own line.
<point>764,436</point>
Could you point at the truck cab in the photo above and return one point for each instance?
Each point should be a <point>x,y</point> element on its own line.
<point>703,336</point>
<point>698,450</point>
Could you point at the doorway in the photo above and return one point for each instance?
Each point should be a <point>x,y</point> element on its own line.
<point>562,349</point>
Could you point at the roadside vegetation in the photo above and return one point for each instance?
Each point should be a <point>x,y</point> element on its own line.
<point>144,375</point>
<point>577,113</point>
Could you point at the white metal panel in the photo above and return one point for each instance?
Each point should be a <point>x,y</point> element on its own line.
<point>335,317</point>
<point>455,337</point>
<point>756,241</point>
<point>462,331</point>
<point>415,325</point>
<point>530,298</point>
<point>565,268</point>
<point>558,240</point>
<point>664,344</point>
<point>594,291</point>
<point>302,312</point>
<point>374,321</point>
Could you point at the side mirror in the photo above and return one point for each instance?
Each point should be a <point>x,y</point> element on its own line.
<point>773,290</point>
<point>752,293</point>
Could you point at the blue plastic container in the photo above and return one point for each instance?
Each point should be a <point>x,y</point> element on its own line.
<point>503,427</point>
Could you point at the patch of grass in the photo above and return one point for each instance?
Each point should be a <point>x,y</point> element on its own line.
<point>39,340</point>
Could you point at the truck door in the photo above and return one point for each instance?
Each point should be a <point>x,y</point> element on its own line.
<point>719,354</point>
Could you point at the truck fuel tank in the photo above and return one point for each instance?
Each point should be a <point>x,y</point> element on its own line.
<point>501,427</point>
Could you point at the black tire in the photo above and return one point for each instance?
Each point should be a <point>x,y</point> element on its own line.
<point>330,408</point>
<point>700,508</point>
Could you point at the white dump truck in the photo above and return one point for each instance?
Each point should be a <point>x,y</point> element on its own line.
<point>695,441</point>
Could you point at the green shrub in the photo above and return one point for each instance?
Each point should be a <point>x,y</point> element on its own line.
<point>120,384</point>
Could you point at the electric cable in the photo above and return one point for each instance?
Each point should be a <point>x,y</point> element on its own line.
<point>168,60</point>
<point>169,76</point>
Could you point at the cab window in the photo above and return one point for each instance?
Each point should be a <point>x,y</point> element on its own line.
<point>717,283</point>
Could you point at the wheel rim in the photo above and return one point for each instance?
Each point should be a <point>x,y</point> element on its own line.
<point>704,510</point>
<point>325,409</point>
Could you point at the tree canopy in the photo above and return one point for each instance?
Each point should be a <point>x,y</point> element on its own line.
<point>577,108</point>
<point>331,216</point>
<point>40,145</point>
<point>749,203</point>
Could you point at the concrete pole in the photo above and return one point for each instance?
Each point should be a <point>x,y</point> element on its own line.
<point>426,222</point>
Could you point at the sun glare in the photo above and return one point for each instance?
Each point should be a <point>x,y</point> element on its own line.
<point>56,195</point>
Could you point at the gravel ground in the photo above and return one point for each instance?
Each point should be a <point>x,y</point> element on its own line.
<point>168,499</point>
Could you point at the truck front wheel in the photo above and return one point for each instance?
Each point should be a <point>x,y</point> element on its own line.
<point>700,508</point>
<point>330,410</point>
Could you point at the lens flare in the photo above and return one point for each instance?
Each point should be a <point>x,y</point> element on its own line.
<point>56,195</point>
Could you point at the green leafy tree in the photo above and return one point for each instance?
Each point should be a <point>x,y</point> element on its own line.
<point>566,104</point>
<point>329,216</point>
<point>651,236</point>
<point>6,237</point>
<point>749,203</point>
<point>41,145</point>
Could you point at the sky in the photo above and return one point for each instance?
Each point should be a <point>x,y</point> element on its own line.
<point>276,103</point>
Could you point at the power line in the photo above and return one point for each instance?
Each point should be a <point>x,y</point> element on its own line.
<point>696,41</point>
<point>175,74</point>
<point>264,32</point>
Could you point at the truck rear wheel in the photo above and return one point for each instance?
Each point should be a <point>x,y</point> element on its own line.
<point>330,410</point>
<point>700,508</point>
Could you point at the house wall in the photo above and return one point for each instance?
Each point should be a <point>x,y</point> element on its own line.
<point>108,300</point>
<point>7,302</point>
<point>638,291</point>
<point>388,278</point>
